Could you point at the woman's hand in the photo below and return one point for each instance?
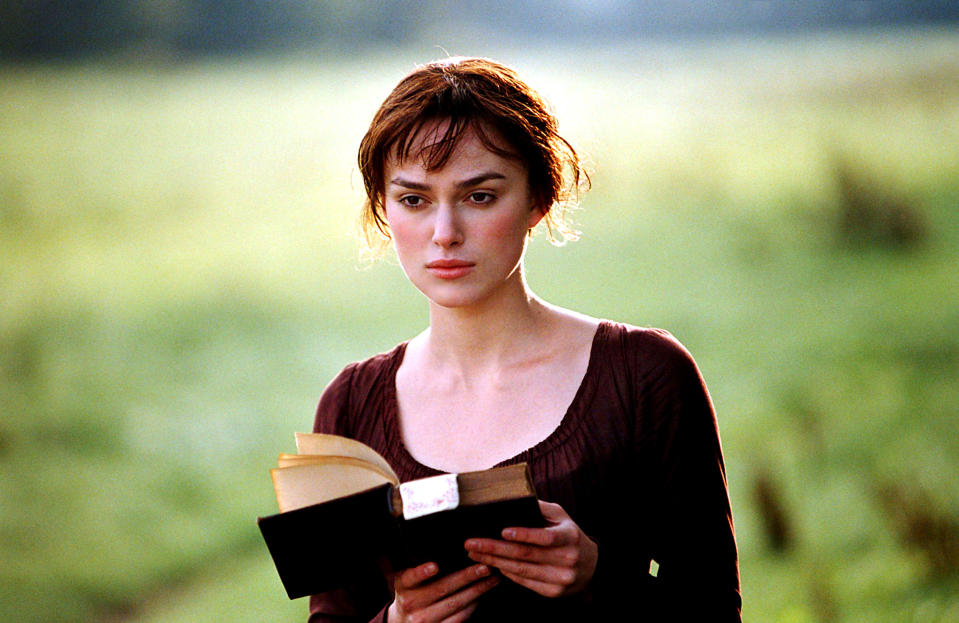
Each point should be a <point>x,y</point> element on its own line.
<point>421,598</point>
<point>553,561</point>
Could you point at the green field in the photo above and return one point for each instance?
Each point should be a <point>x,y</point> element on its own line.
<point>179,280</point>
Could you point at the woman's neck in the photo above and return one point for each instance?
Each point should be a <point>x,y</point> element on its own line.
<point>493,335</point>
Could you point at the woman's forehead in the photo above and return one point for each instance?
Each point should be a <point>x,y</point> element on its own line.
<point>467,157</point>
<point>468,149</point>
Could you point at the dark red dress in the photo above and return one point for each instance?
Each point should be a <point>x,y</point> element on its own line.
<point>636,462</point>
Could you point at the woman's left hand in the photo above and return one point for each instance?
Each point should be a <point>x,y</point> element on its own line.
<point>554,561</point>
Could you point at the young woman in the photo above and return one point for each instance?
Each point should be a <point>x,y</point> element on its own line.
<point>460,163</point>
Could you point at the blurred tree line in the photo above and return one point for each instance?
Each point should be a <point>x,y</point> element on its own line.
<point>66,29</point>
<point>51,29</point>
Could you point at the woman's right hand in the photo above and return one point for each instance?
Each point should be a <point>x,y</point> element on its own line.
<point>421,598</point>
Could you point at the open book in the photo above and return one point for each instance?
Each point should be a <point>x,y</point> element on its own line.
<point>344,515</point>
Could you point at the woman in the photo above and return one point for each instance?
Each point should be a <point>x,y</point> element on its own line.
<point>460,163</point>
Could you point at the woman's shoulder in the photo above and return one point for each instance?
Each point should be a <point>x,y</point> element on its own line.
<point>641,337</point>
<point>371,370</point>
<point>636,339</point>
<point>645,348</point>
<point>618,342</point>
<point>657,371</point>
<point>360,385</point>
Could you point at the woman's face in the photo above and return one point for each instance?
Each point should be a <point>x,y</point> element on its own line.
<point>460,231</point>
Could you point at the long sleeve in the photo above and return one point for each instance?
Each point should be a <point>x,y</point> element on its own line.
<point>691,521</point>
<point>338,607</point>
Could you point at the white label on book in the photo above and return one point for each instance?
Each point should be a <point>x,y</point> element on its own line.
<point>429,495</point>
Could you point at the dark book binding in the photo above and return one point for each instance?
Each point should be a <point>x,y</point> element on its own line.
<point>328,545</point>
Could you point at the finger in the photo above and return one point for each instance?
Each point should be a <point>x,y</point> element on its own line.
<point>479,550</point>
<point>449,584</point>
<point>561,529</point>
<point>429,593</point>
<point>462,615</point>
<point>546,589</point>
<point>553,549</point>
<point>455,604</point>
<point>410,578</point>
<point>560,534</point>
<point>532,570</point>
<point>553,513</point>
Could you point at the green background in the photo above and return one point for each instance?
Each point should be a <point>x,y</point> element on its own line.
<point>179,279</point>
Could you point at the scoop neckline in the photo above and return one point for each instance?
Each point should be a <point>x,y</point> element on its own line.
<point>571,420</point>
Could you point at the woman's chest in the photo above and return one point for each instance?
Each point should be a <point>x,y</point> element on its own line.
<point>455,430</point>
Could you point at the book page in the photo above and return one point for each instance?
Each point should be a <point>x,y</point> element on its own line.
<point>305,485</point>
<point>335,445</point>
<point>293,460</point>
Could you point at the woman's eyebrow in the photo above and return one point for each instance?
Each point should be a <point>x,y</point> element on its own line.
<point>467,183</point>
<point>479,179</point>
<point>399,181</point>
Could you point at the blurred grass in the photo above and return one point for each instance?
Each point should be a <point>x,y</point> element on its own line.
<point>180,281</point>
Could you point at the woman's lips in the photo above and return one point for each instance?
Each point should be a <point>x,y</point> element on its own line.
<point>450,269</point>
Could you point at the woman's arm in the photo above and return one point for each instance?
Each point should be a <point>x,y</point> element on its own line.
<point>367,599</point>
<point>691,523</point>
<point>346,606</point>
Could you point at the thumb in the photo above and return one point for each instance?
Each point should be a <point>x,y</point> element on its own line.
<point>553,513</point>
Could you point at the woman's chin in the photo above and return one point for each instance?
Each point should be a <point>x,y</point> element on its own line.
<point>451,298</point>
<point>451,302</point>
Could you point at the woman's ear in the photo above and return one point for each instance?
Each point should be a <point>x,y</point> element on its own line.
<point>536,214</point>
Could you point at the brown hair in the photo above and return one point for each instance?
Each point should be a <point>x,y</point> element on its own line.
<point>484,97</point>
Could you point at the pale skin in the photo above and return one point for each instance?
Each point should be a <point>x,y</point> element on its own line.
<point>495,359</point>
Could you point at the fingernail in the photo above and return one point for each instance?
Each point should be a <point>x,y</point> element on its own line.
<point>430,569</point>
<point>470,544</point>
<point>509,533</point>
<point>482,570</point>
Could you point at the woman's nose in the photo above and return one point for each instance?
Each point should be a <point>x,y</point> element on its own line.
<point>447,231</point>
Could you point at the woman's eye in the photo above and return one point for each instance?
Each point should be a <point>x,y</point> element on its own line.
<point>411,201</point>
<point>481,197</point>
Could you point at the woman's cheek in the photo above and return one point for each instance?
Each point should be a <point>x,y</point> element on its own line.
<point>403,234</point>
<point>507,231</point>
